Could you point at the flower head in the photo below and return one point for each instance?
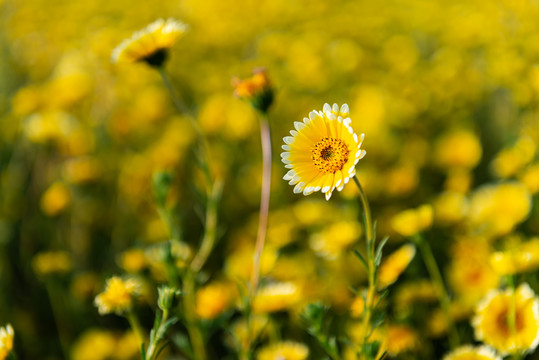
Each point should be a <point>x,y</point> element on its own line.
<point>468,352</point>
<point>322,152</point>
<point>257,89</point>
<point>118,295</point>
<point>394,265</point>
<point>6,340</point>
<point>494,325</point>
<point>286,350</point>
<point>276,297</point>
<point>150,44</point>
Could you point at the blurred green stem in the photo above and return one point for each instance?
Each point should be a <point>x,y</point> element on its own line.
<point>443,296</point>
<point>180,106</point>
<point>264,200</point>
<point>193,327</point>
<point>370,247</point>
<point>135,325</point>
<point>57,301</point>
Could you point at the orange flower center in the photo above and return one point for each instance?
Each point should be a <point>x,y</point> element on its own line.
<point>330,155</point>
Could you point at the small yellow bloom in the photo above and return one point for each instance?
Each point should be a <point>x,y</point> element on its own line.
<point>468,352</point>
<point>214,299</point>
<point>460,148</point>
<point>322,152</point>
<point>6,340</point>
<point>493,324</point>
<point>276,297</point>
<point>118,295</point>
<point>394,265</point>
<point>286,350</point>
<point>52,262</point>
<point>511,160</point>
<point>94,344</point>
<point>81,170</point>
<point>335,238</point>
<point>530,178</point>
<point>400,338</point>
<point>450,207</point>
<point>257,89</point>
<point>55,199</point>
<point>150,44</point>
<point>412,221</point>
<point>243,333</point>
<point>517,259</point>
<point>133,260</point>
<point>497,209</point>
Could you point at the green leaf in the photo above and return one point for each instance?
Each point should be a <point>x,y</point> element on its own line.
<point>362,259</point>
<point>378,254</point>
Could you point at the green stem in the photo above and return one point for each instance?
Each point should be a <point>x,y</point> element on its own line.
<point>512,316</point>
<point>443,296</point>
<point>370,247</point>
<point>264,200</point>
<point>57,302</point>
<point>135,325</point>
<point>193,328</point>
<point>180,106</point>
<point>210,228</point>
<point>159,334</point>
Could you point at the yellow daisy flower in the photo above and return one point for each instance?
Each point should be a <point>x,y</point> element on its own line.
<point>394,265</point>
<point>150,44</point>
<point>468,352</point>
<point>286,350</point>
<point>6,340</point>
<point>322,151</point>
<point>492,322</point>
<point>276,297</point>
<point>118,295</point>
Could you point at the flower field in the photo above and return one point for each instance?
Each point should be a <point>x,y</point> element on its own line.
<point>269,180</point>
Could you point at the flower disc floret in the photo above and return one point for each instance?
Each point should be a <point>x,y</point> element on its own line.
<point>322,152</point>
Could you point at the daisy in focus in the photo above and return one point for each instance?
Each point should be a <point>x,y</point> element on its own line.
<point>322,151</point>
<point>150,44</point>
<point>493,324</point>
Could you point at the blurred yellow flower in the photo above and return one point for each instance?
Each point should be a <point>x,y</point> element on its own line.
<point>242,332</point>
<point>81,170</point>
<point>150,44</point>
<point>133,260</point>
<point>285,350</point>
<point>322,152</point>
<point>239,264</point>
<point>276,297</point>
<point>412,221</point>
<point>400,338</point>
<point>335,238</point>
<point>118,295</point>
<point>511,160</point>
<point>6,340</point>
<point>94,344</point>
<point>257,89</point>
<point>497,209</point>
<point>450,207</point>
<point>394,265</point>
<point>410,293</point>
<point>49,126</point>
<point>460,148</point>
<point>492,320</point>
<point>214,298</point>
<point>55,199</point>
<point>530,178</point>
<point>468,352</point>
<point>517,259</point>
<point>52,262</point>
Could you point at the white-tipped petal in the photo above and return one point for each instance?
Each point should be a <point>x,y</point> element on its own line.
<point>293,132</point>
<point>326,188</point>
<point>328,195</point>
<point>308,190</point>
<point>299,125</point>
<point>285,147</point>
<point>285,155</point>
<point>289,175</point>
<point>289,166</point>
<point>335,108</point>
<point>331,116</point>
<point>313,115</point>
<point>344,109</point>
<point>326,108</point>
<point>355,138</point>
<point>298,189</point>
<point>288,140</point>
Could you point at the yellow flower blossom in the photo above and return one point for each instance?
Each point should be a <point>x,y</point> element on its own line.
<point>530,178</point>
<point>6,340</point>
<point>242,332</point>
<point>55,199</point>
<point>285,350</point>
<point>213,299</point>
<point>150,44</point>
<point>394,265</point>
<point>276,297</point>
<point>517,259</point>
<point>493,324</point>
<point>450,207</point>
<point>118,295</point>
<point>412,221</point>
<point>468,352</point>
<point>335,238</point>
<point>94,344</point>
<point>81,170</point>
<point>52,262</point>
<point>322,151</point>
<point>133,260</point>
<point>459,148</point>
<point>257,89</point>
<point>497,209</point>
<point>511,160</point>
